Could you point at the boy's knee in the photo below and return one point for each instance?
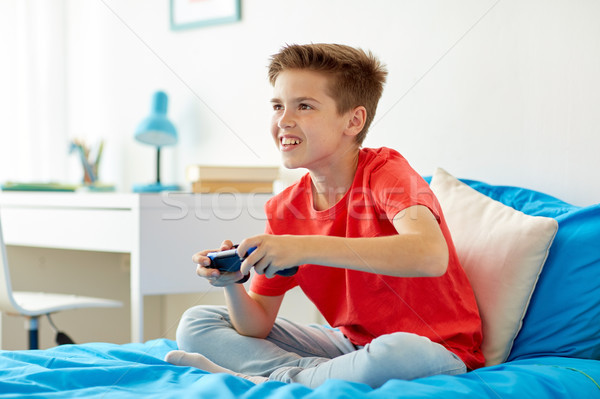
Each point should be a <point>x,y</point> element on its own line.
<point>413,355</point>
<point>203,312</point>
<point>400,344</point>
<point>406,346</point>
<point>196,322</point>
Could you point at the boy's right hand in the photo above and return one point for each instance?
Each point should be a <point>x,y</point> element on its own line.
<point>214,276</point>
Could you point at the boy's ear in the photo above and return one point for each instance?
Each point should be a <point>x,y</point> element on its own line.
<point>356,122</point>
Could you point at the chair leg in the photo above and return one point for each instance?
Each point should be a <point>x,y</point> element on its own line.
<point>33,329</point>
<point>61,337</point>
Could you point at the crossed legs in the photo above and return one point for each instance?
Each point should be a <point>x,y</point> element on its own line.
<point>305,354</point>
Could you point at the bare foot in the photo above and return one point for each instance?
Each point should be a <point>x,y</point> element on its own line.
<point>182,358</point>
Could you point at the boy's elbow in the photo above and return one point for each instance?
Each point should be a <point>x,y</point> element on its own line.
<point>254,330</point>
<point>258,333</point>
<point>437,264</point>
<point>439,267</point>
<point>263,333</point>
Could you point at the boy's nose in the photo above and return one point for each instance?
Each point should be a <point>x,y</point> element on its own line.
<point>286,121</point>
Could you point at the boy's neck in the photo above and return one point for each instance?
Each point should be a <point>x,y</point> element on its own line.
<point>329,186</point>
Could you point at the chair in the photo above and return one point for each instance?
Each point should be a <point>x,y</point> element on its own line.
<point>32,305</point>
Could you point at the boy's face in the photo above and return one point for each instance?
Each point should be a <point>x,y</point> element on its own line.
<point>306,126</point>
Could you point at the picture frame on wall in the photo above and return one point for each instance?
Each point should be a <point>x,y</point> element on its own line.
<point>187,14</point>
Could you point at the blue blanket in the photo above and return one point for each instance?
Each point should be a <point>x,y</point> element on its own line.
<point>551,357</point>
<point>137,370</point>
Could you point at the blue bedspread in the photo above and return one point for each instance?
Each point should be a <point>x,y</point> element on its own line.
<point>137,370</point>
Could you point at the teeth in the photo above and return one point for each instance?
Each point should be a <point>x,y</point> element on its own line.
<point>289,141</point>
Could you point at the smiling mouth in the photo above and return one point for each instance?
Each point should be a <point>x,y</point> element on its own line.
<point>290,141</point>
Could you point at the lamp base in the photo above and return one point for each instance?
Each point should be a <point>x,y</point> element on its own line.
<point>154,188</point>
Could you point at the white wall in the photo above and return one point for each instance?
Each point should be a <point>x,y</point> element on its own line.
<point>502,91</point>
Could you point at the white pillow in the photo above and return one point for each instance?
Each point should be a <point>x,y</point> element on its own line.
<point>502,252</point>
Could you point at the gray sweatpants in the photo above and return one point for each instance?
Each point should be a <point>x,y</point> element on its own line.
<point>311,354</point>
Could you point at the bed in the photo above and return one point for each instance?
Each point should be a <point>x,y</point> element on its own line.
<point>550,348</point>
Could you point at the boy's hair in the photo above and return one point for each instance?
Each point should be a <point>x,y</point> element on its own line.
<point>358,77</point>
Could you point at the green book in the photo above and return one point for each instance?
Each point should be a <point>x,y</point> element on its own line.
<point>15,186</point>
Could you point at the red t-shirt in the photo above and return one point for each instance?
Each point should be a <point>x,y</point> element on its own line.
<point>366,305</point>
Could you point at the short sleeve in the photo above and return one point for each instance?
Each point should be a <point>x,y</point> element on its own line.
<point>395,186</point>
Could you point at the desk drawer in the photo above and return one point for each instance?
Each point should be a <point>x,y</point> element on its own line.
<point>84,229</point>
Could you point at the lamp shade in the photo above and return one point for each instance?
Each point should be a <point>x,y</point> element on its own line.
<point>156,129</point>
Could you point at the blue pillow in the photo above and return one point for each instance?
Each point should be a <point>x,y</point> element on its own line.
<point>563,317</point>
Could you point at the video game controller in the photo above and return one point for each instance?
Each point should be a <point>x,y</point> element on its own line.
<point>230,261</point>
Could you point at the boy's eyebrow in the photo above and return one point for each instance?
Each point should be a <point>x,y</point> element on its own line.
<point>297,100</point>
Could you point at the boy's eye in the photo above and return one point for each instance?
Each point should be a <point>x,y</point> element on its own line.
<point>277,107</point>
<point>305,106</point>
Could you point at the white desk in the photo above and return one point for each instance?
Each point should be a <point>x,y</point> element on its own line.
<point>160,231</point>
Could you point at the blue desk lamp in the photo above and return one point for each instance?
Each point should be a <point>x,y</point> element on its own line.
<point>158,131</point>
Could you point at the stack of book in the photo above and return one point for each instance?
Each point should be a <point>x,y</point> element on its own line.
<point>237,179</point>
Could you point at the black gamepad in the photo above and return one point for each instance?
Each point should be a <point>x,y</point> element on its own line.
<point>230,261</point>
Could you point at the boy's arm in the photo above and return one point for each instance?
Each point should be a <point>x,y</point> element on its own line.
<point>418,250</point>
<point>251,314</point>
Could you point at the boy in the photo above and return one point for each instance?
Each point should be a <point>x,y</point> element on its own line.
<point>375,252</point>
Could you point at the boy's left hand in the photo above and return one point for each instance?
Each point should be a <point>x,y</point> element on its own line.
<point>273,253</point>
<point>214,276</point>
